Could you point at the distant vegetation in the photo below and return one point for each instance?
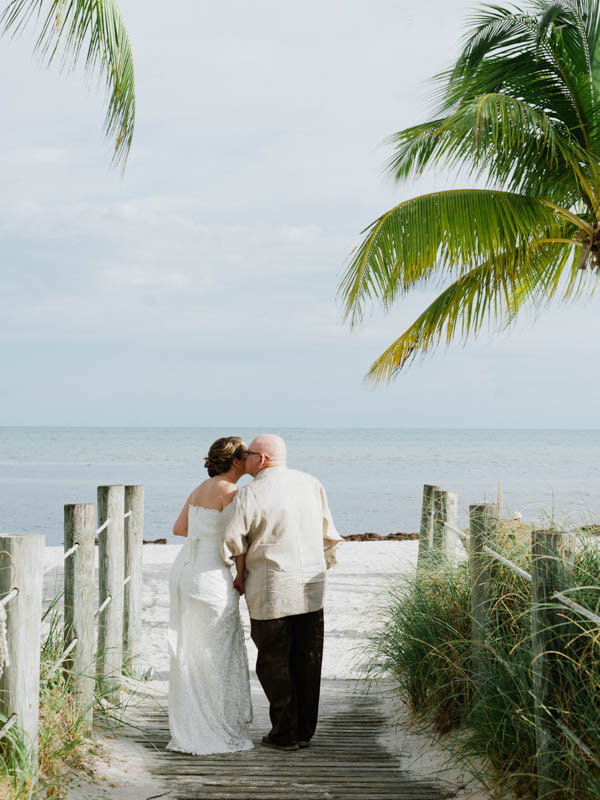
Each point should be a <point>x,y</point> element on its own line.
<point>519,111</point>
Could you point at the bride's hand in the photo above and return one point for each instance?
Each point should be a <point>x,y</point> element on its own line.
<point>239,584</point>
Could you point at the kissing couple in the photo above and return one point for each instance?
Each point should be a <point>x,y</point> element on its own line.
<point>280,534</point>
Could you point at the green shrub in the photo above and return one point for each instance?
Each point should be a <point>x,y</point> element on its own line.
<point>425,643</point>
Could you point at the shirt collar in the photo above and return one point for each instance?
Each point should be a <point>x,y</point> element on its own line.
<point>266,470</point>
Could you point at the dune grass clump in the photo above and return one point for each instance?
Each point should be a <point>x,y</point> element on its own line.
<point>426,644</point>
<point>427,651</point>
<point>61,739</point>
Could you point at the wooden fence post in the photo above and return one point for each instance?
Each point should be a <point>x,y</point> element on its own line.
<point>445,506</point>
<point>79,606</point>
<point>550,625</point>
<point>451,540</point>
<point>132,607</point>
<point>111,560</point>
<point>483,528</point>
<point>426,529</point>
<point>21,568</point>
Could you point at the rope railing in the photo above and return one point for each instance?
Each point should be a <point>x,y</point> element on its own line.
<point>63,558</point>
<point>456,530</point>
<point>109,599</point>
<point>576,607</point>
<point>103,526</point>
<point>75,547</point>
<point>524,574</point>
<point>507,563</point>
<point>576,740</point>
<point>8,724</point>
<point>101,608</point>
<point>90,635</point>
<point>7,597</point>
<point>66,652</point>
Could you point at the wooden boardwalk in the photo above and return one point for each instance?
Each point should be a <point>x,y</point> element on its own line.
<point>347,759</point>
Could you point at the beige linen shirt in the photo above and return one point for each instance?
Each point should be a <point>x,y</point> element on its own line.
<point>283,523</point>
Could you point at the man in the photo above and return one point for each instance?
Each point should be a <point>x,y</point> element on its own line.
<point>280,524</point>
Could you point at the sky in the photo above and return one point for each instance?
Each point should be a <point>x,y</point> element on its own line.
<point>199,288</point>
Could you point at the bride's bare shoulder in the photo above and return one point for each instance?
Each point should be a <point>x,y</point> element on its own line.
<point>226,490</point>
<point>214,492</point>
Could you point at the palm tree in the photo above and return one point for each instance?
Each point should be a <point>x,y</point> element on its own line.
<point>96,29</point>
<point>519,111</point>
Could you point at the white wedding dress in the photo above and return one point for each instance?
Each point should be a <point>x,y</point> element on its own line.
<point>209,686</point>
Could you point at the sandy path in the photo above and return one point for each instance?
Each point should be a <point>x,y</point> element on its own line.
<point>358,586</point>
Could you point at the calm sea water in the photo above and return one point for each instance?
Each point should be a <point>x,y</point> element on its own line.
<point>373,477</point>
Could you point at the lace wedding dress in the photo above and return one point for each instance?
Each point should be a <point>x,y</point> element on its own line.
<point>209,687</point>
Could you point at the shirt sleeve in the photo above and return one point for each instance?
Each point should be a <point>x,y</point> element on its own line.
<point>237,524</point>
<point>331,538</point>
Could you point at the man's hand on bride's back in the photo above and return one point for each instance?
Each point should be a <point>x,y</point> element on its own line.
<point>238,584</point>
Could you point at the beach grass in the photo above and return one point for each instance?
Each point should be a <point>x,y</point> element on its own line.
<point>425,642</point>
<point>62,744</point>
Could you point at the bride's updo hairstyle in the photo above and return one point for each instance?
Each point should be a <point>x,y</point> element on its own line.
<point>222,453</point>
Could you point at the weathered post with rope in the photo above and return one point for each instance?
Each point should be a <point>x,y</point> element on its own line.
<point>132,600</point>
<point>111,560</point>
<point>426,529</point>
<point>483,521</point>
<point>445,512</point>
<point>21,581</point>
<point>551,565</point>
<point>79,606</point>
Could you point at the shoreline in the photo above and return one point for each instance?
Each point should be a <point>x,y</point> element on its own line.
<point>347,537</point>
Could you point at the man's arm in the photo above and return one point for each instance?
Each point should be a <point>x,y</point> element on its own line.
<point>331,538</point>
<point>238,518</point>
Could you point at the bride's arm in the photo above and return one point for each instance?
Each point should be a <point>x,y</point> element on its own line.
<point>181,523</point>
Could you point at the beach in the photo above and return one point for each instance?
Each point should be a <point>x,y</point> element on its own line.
<point>357,590</point>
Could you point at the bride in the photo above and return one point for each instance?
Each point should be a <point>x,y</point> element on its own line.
<point>209,688</point>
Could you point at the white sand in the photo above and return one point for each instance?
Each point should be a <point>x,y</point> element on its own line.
<point>358,587</point>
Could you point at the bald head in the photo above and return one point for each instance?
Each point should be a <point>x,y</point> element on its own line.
<point>272,447</point>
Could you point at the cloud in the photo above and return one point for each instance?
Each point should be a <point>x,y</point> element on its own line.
<point>216,257</point>
<point>34,156</point>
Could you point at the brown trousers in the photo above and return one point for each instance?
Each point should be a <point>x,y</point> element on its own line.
<point>290,651</point>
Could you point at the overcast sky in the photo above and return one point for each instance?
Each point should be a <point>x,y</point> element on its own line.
<point>199,289</point>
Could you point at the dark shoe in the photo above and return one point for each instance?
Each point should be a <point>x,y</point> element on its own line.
<point>268,742</point>
<point>303,744</point>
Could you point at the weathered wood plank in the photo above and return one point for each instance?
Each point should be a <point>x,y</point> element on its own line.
<point>346,760</point>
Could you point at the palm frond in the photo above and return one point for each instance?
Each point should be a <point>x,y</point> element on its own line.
<point>543,56</point>
<point>492,292</point>
<point>436,235</point>
<point>490,29</point>
<point>505,140</point>
<point>519,109</point>
<point>68,27</point>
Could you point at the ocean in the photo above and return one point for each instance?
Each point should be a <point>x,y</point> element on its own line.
<point>373,476</point>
